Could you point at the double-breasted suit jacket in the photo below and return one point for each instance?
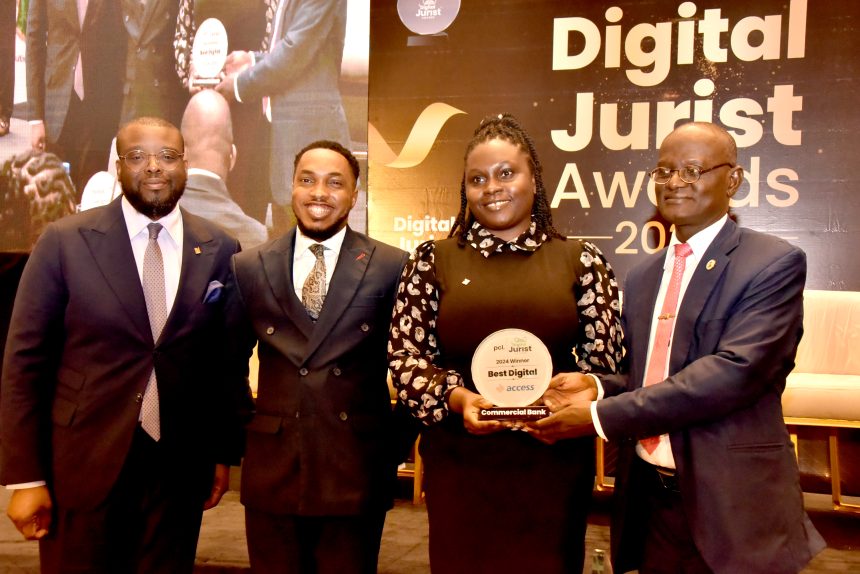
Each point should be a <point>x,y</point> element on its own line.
<point>736,333</point>
<point>80,352</point>
<point>323,440</point>
<point>150,85</point>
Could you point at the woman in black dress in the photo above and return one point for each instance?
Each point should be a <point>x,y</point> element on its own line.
<point>499,500</point>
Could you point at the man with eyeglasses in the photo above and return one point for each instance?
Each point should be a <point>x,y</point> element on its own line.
<point>706,478</point>
<point>117,422</point>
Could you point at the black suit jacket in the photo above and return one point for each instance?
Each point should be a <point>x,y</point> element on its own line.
<point>323,439</point>
<point>80,352</point>
<point>735,338</point>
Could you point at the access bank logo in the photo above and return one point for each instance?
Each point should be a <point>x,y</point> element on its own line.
<point>419,142</point>
<point>427,17</point>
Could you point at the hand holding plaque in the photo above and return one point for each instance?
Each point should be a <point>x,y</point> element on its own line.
<point>208,53</point>
<point>512,368</point>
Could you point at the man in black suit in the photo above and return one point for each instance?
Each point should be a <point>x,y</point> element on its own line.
<point>707,479</point>
<point>117,421</point>
<point>321,451</point>
<point>74,81</point>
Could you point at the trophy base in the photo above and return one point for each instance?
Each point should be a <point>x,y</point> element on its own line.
<point>205,82</point>
<point>531,413</point>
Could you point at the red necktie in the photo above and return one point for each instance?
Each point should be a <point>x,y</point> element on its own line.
<point>663,337</point>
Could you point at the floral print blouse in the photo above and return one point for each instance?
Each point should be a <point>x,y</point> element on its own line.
<point>412,346</point>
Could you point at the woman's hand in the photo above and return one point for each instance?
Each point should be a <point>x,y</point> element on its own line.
<point>467,403</point>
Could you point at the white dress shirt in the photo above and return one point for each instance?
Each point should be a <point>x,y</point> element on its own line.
<point>304,259</point>
<point>170,241</point>
<point>699,243</point>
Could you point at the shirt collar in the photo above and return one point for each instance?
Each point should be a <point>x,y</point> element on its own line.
<point>303,242</point>
<point>136,222</point>
<point>699,242</point>
<point>206,172</point>
<point>480,238</point>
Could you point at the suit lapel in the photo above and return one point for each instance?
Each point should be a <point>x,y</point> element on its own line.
<point>355,254</point>
<point>198,259</point>
<point>705,278</point>
<point>148,15</point>
<point>278,266</point>
<point>110,246</point>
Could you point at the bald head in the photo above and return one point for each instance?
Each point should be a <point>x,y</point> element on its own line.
<point>208,132</point>
<point>719,139</point>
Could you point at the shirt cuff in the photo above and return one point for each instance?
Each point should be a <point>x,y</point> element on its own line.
<point>23,485</point>
<point>594,418</point>
<point>36,122</point>
<point>236,89</point>
<point>596,421</point>
<point>597,382</point>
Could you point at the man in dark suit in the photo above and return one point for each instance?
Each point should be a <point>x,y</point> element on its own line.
<point>74,81</point>
<point>321,451</point>
<point>300,75</point>
<point>117,421</point>
<point>150,86</point>
<point>706,479</point>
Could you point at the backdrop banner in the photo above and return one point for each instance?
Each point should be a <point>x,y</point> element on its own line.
<point>598,86</point>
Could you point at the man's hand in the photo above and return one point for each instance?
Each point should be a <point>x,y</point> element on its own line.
<point>37,136</point>
<point>572,421</point>
<point>30,511</point>
<point>226,87</point>
<point>219,486</point>
<point>237,62</point>
<point>567,388</point>
<point>467,403</point>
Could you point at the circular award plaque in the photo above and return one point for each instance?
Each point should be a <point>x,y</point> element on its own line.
<point>511,368</point>
<point>209,51</point>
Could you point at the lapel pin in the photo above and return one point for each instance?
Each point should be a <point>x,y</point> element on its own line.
<point>197,251</point>
<point>710,264</point>
<point>361,256</point>
<point>466,281</point>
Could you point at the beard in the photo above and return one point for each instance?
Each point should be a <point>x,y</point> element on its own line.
<point>154,208</point>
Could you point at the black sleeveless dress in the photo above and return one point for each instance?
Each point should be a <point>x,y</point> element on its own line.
<point>504,502</point>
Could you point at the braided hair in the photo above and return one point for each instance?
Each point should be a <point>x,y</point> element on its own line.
<point>506,127</point>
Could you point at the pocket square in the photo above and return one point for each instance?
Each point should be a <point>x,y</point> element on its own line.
<point>213,292</point>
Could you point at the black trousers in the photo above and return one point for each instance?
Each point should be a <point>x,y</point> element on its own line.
<point>669,544</point>
<point>287,544</point>
<point>149,523</point>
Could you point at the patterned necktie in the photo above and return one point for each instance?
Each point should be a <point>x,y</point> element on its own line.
<point>154,293</point>
<point>663,337</point>
<point>313,291</point>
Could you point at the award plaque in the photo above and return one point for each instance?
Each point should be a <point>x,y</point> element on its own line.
<point>209,52</point>
<point>512,368</point>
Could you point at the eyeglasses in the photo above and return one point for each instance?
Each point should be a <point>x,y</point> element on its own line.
<point>688,173</point>
<point>168,159</point>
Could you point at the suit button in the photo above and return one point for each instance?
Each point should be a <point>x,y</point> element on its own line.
<point>336,372</point>
<point>138,398</point>
<point>365,327</point>
<point>270,330</point>
<point>343,416</point>
<point>303,371</point>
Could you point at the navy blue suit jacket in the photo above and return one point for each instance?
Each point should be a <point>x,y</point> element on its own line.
<point>735,339</point>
